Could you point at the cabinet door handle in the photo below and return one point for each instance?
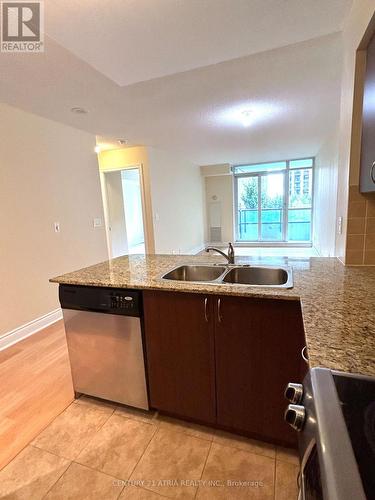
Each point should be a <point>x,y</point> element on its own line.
<point>205,309</point>
<point>305,355</point>
<point>372,172</point>
<point>219,316</point>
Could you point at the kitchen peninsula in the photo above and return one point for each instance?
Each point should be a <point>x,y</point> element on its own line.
<point>221,354</point>
<point>337,301</point>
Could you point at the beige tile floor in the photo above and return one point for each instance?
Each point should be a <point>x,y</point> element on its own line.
<point>95,450</point>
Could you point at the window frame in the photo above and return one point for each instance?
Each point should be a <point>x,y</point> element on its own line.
<point>284,241</point>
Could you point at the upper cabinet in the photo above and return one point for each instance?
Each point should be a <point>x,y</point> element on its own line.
<point>367,175</point>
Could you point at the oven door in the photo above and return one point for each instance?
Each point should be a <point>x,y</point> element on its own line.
<point>310,479</point>
<point>328,467</point>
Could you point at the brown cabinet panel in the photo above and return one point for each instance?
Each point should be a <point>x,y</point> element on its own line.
<point>258,347</point>
<point>180,354</point>
<point>367,174</point>
<point>226,365</point>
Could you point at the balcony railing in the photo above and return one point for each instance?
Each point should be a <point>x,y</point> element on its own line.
<point>272,221</point>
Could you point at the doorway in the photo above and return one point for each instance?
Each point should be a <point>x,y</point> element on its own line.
<point>125,212</point>
<point>263,219</point>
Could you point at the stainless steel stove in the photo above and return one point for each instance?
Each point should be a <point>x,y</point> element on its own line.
<point>334,413</point>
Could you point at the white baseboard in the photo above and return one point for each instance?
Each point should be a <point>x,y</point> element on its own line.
<point>317,251</point>
<point>30,328</point>
<point>217,244</point>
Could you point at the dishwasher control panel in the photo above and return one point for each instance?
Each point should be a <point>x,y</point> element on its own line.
<point>122,302</point>
<point>100,299</point>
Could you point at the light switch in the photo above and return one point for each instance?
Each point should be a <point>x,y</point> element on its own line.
<point>56,225</point>
<point>97,222</point>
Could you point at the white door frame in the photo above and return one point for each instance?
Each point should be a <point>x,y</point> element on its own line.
<point>149,243</point>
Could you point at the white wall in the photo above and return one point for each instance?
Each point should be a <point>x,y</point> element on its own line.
<point>48,172</point>
<point>219,189</point>
<point>325,197</point>
<point>177,203</point>
<point>116,214</point>
<point>131,188</point>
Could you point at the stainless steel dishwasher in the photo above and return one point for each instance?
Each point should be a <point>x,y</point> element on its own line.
<point>104,336</point>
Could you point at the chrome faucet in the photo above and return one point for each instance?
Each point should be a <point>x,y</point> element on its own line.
<point>229,256</point>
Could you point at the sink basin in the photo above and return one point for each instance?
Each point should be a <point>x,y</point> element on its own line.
<point>277,277</point>
<point>260,276</point>
<point>195,273</point>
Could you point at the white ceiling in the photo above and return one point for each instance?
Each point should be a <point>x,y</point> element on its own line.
<point>293,91</point>
<point>131,41</point>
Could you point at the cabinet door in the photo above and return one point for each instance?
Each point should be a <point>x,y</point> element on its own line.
<point>367,177</point>
<point>258,347</point>
<point>180,354</point>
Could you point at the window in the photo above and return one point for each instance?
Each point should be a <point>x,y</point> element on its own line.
<point>306,182</point>
<point>273,201</point>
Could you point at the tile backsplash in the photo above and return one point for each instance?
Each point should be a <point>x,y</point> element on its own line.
<point>360,243</point>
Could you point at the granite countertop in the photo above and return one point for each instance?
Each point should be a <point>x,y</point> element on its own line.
<point>338,302</point>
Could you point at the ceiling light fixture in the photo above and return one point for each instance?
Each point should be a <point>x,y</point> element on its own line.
<point>246,117</point>
<point>97,149</point>
<point>122,142</point>
<point>79,111</point>
<point>247,113</point>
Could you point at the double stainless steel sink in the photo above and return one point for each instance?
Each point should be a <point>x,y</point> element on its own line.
<point>265,276</point>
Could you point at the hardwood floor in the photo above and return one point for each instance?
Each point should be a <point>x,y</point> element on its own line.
<point>35,386</point>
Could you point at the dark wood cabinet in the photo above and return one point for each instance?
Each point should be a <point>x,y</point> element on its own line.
<point>258,347</point>
<point>224,360</point>
<point>367,175</point>
<point>180,354</point>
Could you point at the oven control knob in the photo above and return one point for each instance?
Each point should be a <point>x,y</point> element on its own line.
<point>294,393</point>
<point>295,416</point>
